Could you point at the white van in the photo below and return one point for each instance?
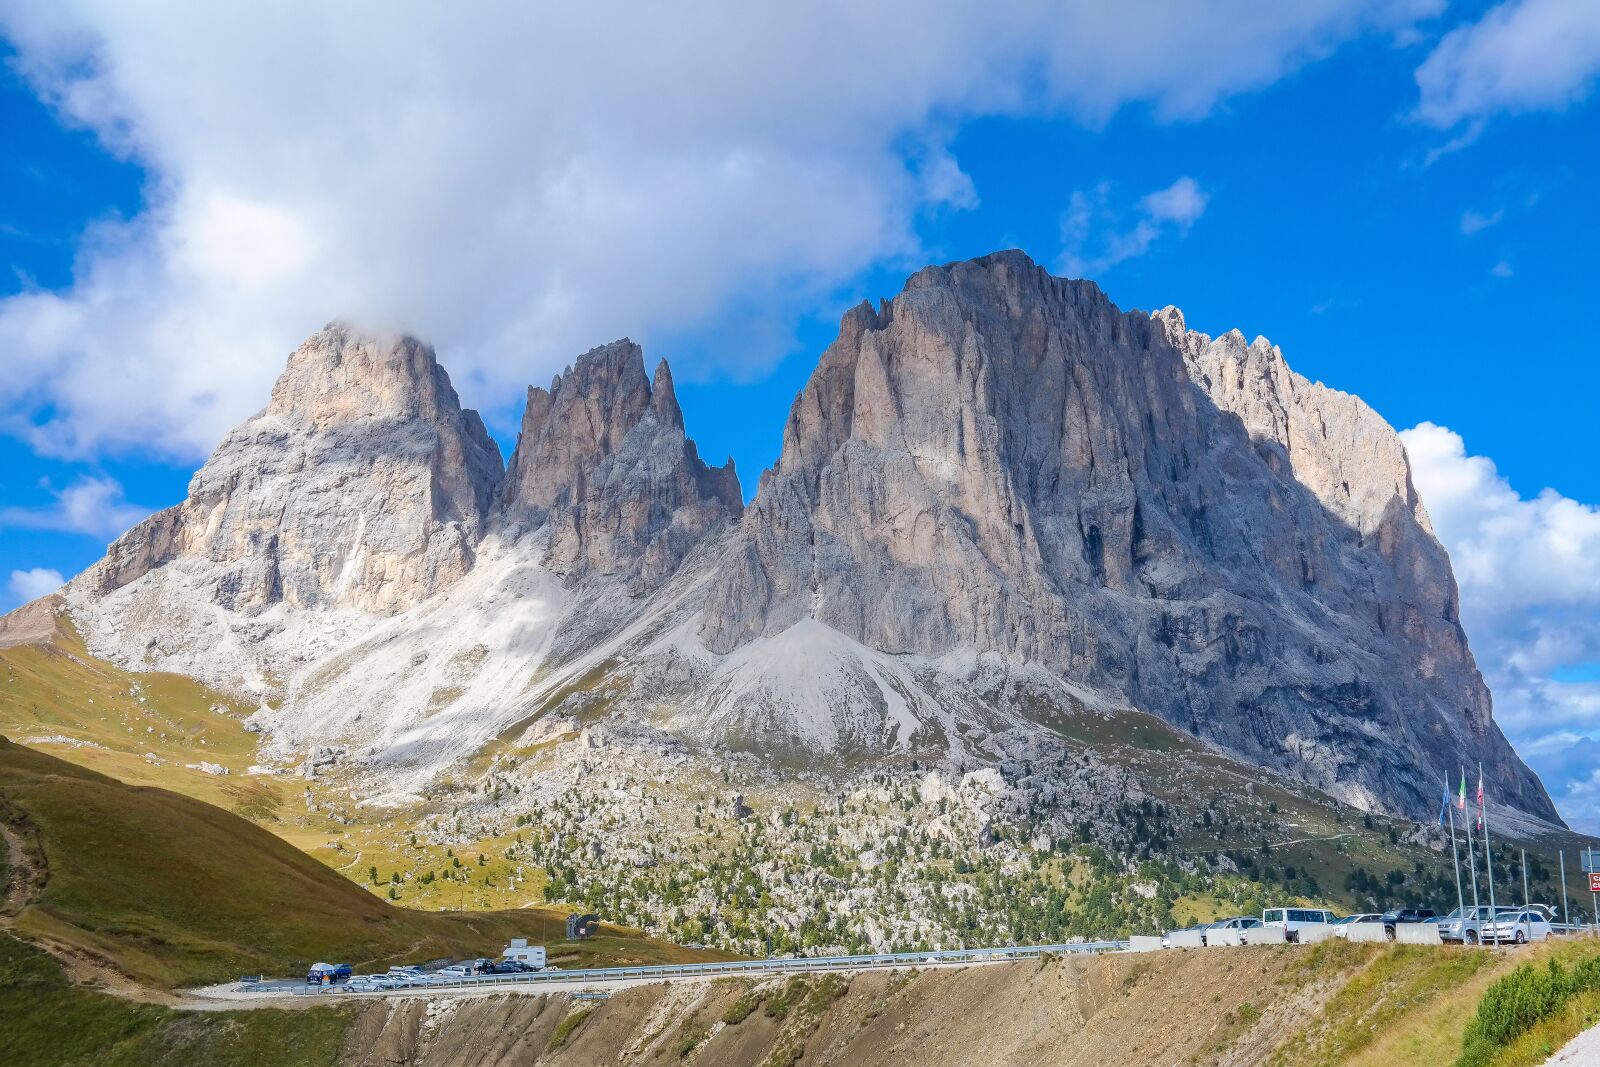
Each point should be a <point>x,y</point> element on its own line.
<point>1292,920</point>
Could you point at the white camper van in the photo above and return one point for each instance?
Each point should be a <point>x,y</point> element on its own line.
<point>1293,920</point>
<point>531,957</point>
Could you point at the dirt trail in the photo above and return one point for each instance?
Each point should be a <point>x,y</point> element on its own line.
<point>22,884</point>
<point>19,877</point>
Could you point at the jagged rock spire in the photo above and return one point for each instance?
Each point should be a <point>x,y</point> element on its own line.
<point>603,466</point>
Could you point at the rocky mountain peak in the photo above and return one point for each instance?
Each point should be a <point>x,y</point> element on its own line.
<point>364,484</point>
<point>603,466</point>
<point>1000,462</point>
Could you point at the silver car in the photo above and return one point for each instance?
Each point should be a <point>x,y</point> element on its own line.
<point>1341,927</point>
<point>1465,925</point>
<point>1518,927</point>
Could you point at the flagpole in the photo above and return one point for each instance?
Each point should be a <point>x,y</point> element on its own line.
<point>1488,849</point>
<point>1566,912</point>
<point>1472,851</point>
<point>1524,878</point>
<point>1455,854</point>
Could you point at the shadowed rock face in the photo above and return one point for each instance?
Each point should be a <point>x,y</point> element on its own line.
<point>1000,461</point>
<point>363,484</point>
<point>602,462</point>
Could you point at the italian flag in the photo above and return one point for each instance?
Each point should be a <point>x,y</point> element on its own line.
<point>1461,795</point>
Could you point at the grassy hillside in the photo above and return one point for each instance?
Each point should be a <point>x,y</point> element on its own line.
<point>174,892</point>
<point>144,729</point>
<point>49,1022</point>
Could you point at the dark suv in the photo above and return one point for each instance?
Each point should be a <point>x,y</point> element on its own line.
<point>1396,916</point>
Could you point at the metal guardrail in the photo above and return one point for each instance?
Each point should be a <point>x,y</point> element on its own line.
<point>732,968</point>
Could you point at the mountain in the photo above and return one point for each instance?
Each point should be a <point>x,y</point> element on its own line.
<point>999,468</point>
<point>1001,505</point>
<point>602,461</point>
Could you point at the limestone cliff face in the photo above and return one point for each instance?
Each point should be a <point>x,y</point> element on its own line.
<point>999,500</point>
<point>363,484</point>
<point>999,461</point>
<point>603,464</point>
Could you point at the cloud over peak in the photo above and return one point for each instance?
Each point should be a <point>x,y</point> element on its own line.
<point>517,182</point>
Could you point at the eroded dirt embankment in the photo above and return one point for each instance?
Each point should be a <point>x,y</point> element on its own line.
<point>1216,1007</point>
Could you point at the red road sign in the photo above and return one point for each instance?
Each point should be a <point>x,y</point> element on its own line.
<point>1594,882</point>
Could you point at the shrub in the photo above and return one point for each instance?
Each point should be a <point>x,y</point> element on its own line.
<point>740,1009</point>
<point>568,1025</point>
<point>1516,1003</point>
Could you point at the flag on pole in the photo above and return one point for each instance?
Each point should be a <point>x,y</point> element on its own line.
<point>1461,797</point>
<point>1444,804</point>
<point>1480,794</point>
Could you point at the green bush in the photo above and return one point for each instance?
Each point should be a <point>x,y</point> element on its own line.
<point>568,1025</point>
<point>1516,1003</point>
<point>740,1009</point>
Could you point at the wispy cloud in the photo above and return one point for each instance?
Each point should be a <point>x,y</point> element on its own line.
<point>1096,234</point>
<point>1522,55</point>
<point>1474,223</point>
<point>91,505</point>
<point>1502,269</point>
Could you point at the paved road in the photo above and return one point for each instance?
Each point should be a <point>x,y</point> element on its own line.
<point>611,979</point>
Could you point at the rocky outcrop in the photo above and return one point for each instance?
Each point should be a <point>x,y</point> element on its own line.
<point>999,462</point>
<point>363,484</point>
<point>602,464</point>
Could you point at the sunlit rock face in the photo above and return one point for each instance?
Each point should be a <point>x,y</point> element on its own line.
<point>363,484</point>
<point>998,461</point>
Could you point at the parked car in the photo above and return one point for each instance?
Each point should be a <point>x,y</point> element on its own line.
<point>1341,926</point>
<point>1166,938</point>
<point>1404,917</point>
<point>1234,926</point>
<point>1517,927</point>
<point>506,967</point>
<point>402,977</point>
<point>1293,920</point>
<point>1465,925</point>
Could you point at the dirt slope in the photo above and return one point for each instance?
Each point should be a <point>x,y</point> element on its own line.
<point>1336,1004</point>
<point>1094,1011</point>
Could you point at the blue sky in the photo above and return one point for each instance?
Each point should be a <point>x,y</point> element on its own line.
<point>1400,195</point>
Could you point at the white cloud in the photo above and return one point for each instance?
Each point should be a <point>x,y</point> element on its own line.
<point>519,182</point>
<point>1502,269</point>
<point>90,505</point>
<point>1473,222</point>
<point>1522,55</point>
<point>1180,203</point>
<point>1529,572</point>
<point>1096,235</point>
<point>33,583</point>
